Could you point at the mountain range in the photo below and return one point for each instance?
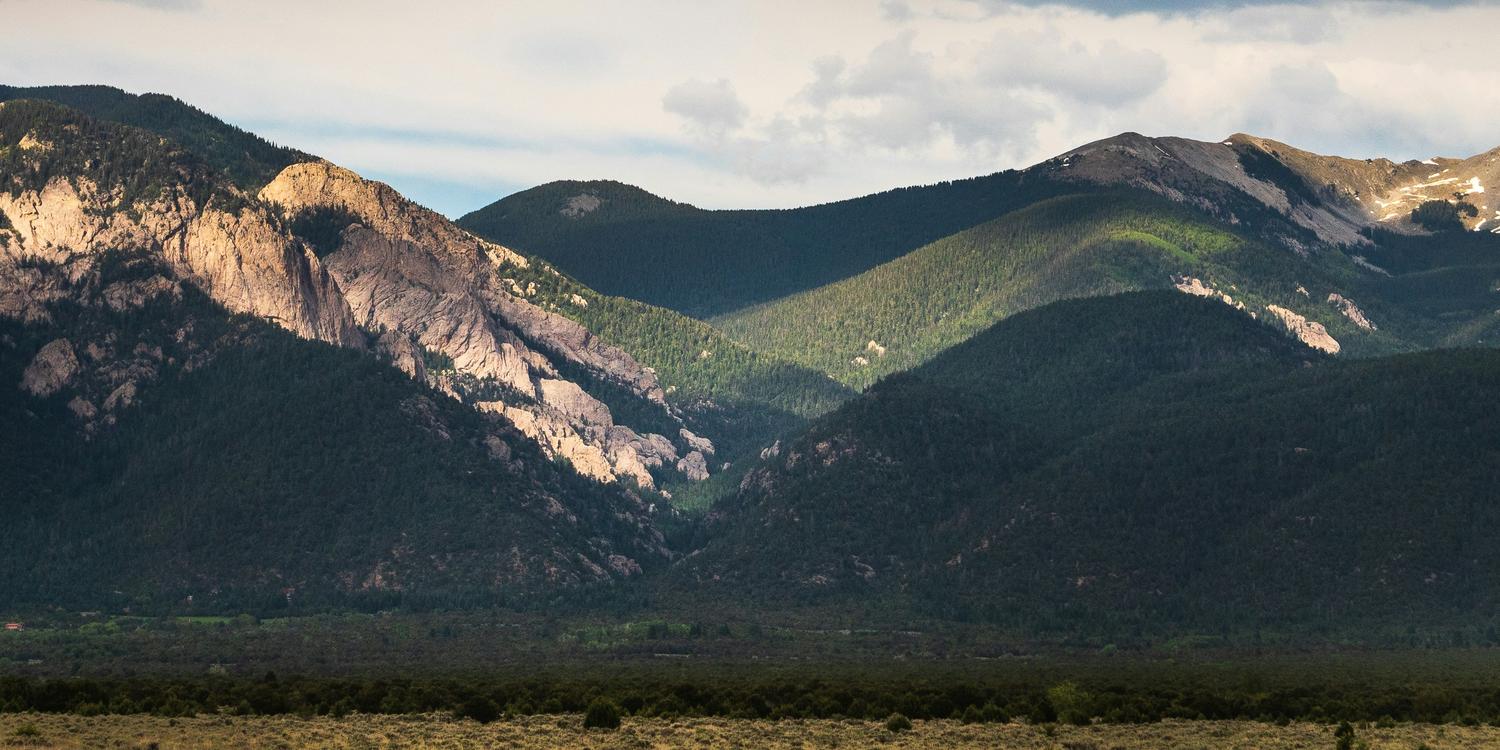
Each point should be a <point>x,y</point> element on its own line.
<point>1149,383</point>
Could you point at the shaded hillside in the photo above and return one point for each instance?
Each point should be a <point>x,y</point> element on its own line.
<point>248,160</point>
<point>236,464</point>
<point>1147,461</point>
<point>625,241</point>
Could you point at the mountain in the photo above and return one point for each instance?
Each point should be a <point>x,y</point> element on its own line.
<point>140,282</point>
<point>1148,462</point>
<point>334,257</point>
<point>1292,235</point>
<point>241,384</point>
<point>226,465</point>
<point>617,237</point>
<point>1296,196</point>
<point>899,314</point>
<point>623,240</point>
<point>244,158</point>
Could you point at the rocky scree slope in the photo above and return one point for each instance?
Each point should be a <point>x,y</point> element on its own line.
<point>1294,196</point>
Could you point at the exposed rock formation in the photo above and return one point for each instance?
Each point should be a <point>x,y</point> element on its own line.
<point>1196,287</point>
<point>444,306</point>
<point>410,273</point>
<point>1351,311</point>
<point>571,400</point>
<point>693,466</point>
<point>694,442</point>
<point>52,368</point>
<point>1308,332</point>
<point>243,260</point>
<point>1334,198</point>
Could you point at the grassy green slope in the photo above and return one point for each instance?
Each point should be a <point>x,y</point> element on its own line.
<point>248,160</point>
<point>1071,246</point>
<point>704,263</point>
<point>1148,461</point>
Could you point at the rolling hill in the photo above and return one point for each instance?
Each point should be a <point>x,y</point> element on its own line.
<point>899,314</point>
<point>624,241</point>
<point>1261,222</point>
<point>1148,462</point>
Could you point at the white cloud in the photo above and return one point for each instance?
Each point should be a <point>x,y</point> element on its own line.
<point>712,106</point>
<point>775,103</point>
<point>1110,73</point>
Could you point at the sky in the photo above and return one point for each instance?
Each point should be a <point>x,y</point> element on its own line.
<point>763,104</point>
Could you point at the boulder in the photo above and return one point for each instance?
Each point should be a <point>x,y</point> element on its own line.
<point>52,368</point>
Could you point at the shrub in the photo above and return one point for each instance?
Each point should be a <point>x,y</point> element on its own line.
<point>602,714</point>
<point>479,708</point>
<point>897,723</point>
<point>1344,736</point>
<point>1071,703</point>
<point>322,227</point>
<point>994,714</point>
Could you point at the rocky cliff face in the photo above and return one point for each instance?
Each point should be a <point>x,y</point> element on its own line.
<point>242,259</point>
<point>459,313</point>
<point>427,285</point>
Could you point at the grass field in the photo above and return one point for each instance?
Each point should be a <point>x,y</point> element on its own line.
<point>566,731</point>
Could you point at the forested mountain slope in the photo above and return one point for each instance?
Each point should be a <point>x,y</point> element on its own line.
<point>1293,235</point>
<point>621,390</point>
<point>622,240</point>
<point>1145,461</point>
<point>900,314</point>
<point>618,237</point>
<point>224,465</point>
<point>248,160</point>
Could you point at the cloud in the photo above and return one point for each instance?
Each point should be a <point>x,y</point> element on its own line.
<point>1109,74</point>
<point>895,10</point>
<point>1305,103</point>
<point>174,5</point>
<point>710,105</point>
<point>1177,7</point>
<point>1281,23</point>
<point>896,99</point>
<point>776,104</point>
